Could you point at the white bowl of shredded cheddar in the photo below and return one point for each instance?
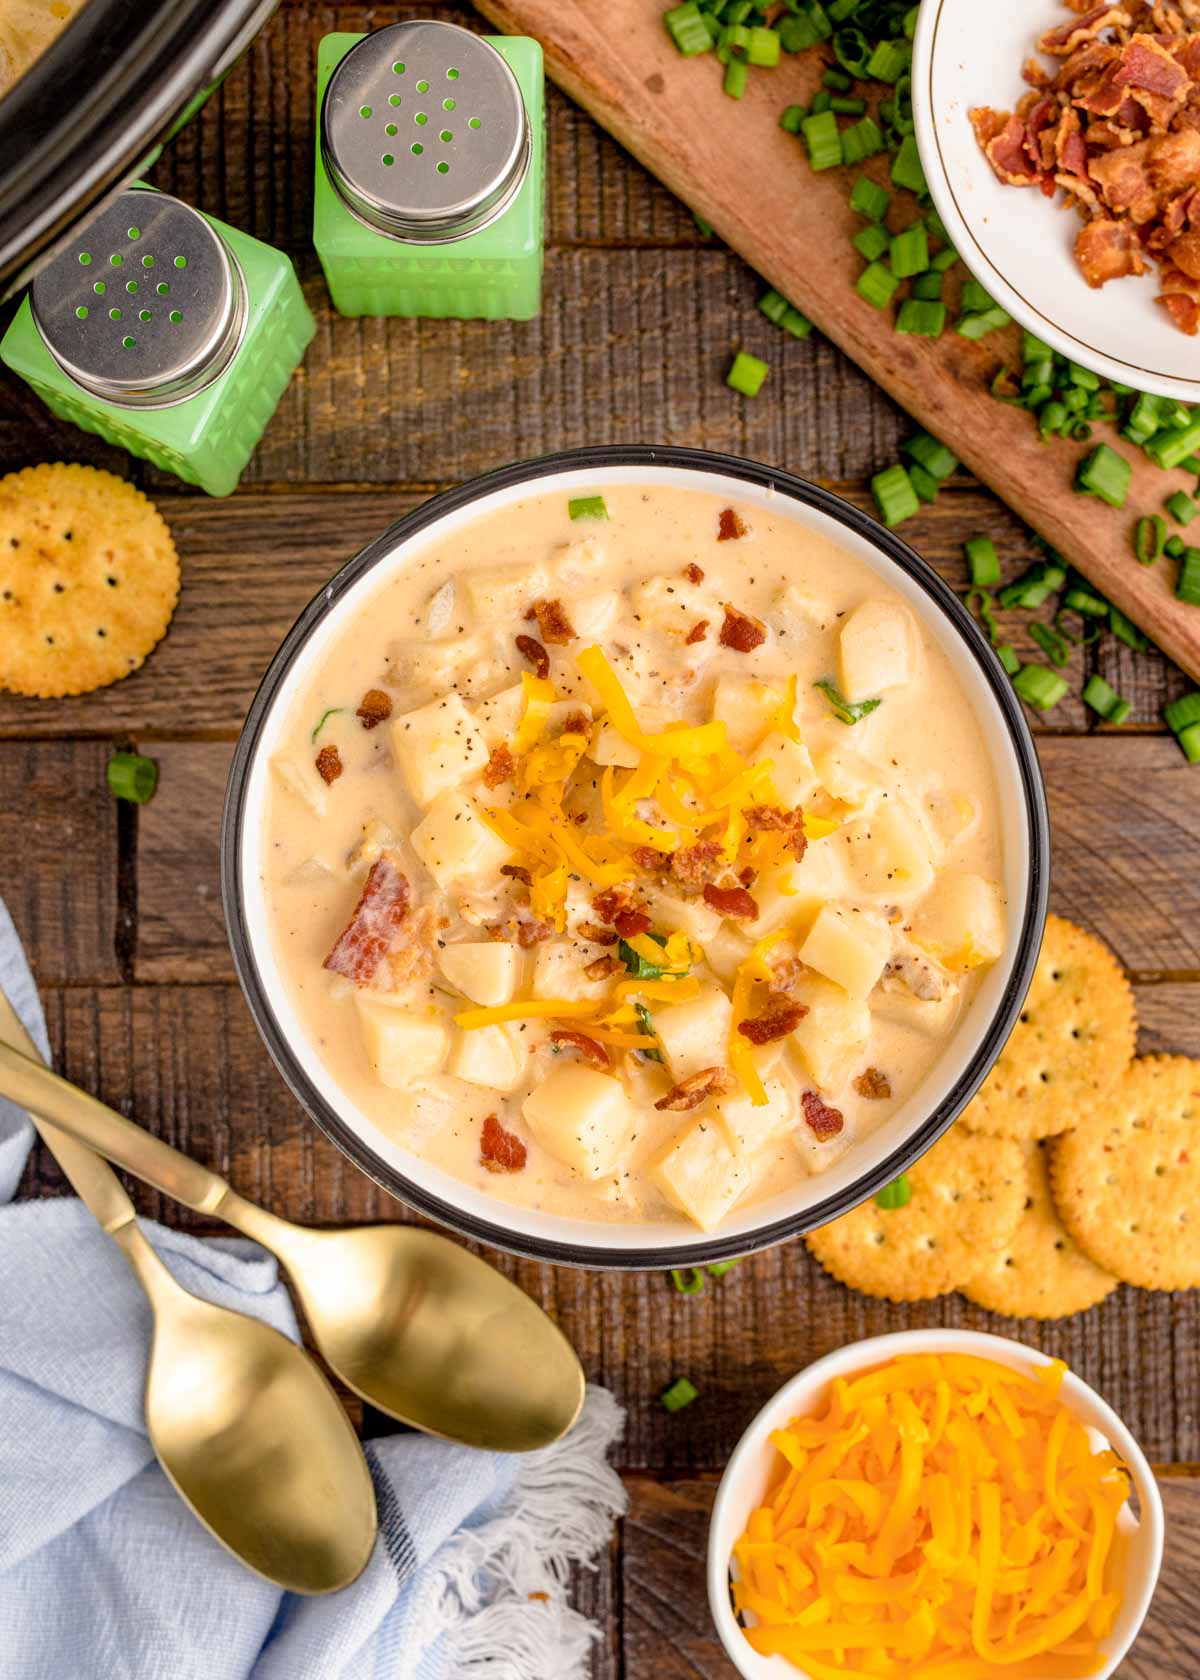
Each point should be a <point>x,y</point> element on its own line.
<point>934,1505</point>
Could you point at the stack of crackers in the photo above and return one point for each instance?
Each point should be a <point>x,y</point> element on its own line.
<point>1075,1168</point>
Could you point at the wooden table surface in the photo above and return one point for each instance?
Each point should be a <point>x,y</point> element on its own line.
<point>120,907</point>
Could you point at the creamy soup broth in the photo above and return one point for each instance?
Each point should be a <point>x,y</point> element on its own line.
<point>831,884</point>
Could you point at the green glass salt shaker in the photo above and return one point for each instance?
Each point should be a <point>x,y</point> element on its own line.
<point>430,172</point>
<point>168,333</point>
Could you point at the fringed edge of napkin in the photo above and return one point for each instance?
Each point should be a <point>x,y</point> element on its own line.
<point>499,1592</point>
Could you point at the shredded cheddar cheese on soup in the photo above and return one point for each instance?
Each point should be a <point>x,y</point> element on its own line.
<point>941,1517</point>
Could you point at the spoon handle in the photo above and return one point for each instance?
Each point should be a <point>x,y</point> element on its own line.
<point>91,1122</point>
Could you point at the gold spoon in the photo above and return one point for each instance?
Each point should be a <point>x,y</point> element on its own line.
<point>417,1326</point>
<point>242,1420</point>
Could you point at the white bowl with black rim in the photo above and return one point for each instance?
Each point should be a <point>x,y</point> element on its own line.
<point>1018,244</point>
<point>872,1162</point>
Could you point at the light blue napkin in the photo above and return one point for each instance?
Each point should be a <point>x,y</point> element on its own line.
<point>105,1575</point>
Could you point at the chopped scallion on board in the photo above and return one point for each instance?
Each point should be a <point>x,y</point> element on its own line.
<point>923,320</point>
<point>1149,539</point>
<point>687,28</point>
<point>823,140</point>
<point>877,284</point>
<point>1187,584</point>
<point>1009,658</point>
<point>746,374</point>
<point>1040,687</point>
<point>131,776</point>
<point>894,495</point>
<point>983,561</point>
<point>869,199</point>
<point>1181,508</point>
<point>1182,713</point>
<point>1105,474</point>
<point>680,1394</point>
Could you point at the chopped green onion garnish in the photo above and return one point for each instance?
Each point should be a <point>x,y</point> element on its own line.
<point>798,325</point>
<point>889,61</point>
<point>1168,448</point>
<point>906,166</point>
<point>690,1282</point>
<point>1174,546</point>
<point>1120,712</point>
<point>1099,695</point>
<point>1033,587</point>
<point>923,482</point>
<point>975,299</point>
<point>706,230</point>
<point>1051,643</point>
<point>680,1394</point>
<point>324,719</point>
<point>846,711</point>
<point>910,252</point>
<point>1125,631</point>
<point>1105,474</point>
<point>1149,538</point>
<point>1181,508</point>
<point>647,1025</point>
<point>894,495</point>
<point>1085,602</point>
<point>131,776</point>
<point>897,1194</point>
<point>945,259</point>
<point>1189,740</point>
<point>1083,377</point>
<point>746,374</point>
<point>822,101</point>
<point>924,320</point>
<point>792,118</point>
<point>687,29</point>
<point>1039,687</point>
<point>1006,653</point>
<point>720,1267</point>
<point>824,143</point>
<point>844,107</point>
<point>1182,713</point>
<point>869,199</point>
<point>983,561</point>
<point>877,284</point>
<point>979,601</point>
<point>736,77</point>
<point>837,81</point>
<point>587,507</point>
<point>861,141</point>
<point>932,455</point>
<point>871,242</point>
<point>773,305</point>
<point>763,48</point>
<point>852,50</point>
<point>987,321</point>
<point>1187,584</point>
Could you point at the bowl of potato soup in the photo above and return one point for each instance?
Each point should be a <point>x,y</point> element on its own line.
<point>635,857</point>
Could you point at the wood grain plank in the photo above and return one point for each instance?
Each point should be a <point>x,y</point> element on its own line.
<point>669,1634</point>
<point>726,159</point>
<point>59,833</point>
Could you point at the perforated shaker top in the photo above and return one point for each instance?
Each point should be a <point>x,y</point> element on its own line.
<point>424,132</point>
<point>145,306</point>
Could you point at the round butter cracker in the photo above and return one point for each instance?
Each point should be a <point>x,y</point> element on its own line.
<point>968,1194</point>
<point>1039,1273</point>
<point>1127,1183</point>
<point>89,579</point>
<point>1076,1037</point>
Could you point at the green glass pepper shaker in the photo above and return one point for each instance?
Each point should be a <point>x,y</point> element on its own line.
<point>430,172</point>
<point>166,332</point>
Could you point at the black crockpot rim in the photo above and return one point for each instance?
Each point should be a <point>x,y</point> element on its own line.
<point>708,1249</point>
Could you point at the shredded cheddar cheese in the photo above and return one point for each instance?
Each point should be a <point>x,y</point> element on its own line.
<point>942,1517</point>
<point>539,696</point>
<point>527,1009</point>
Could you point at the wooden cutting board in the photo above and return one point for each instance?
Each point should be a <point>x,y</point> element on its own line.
<point>731,163</point>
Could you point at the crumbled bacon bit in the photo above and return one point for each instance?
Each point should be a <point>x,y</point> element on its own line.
<point>368,934</point>
<point>553,623</point>
<point>530,933</point>
<point>788,973</point>
<point>517,873</point>
<point>500,1151</point>
<point>596,934</point>
<point>823,1121</point>
<point>535,653</point>
<point>500,767</point>
<point>374,708</point>
<point>693,573</point>
<point>871,1083</point>
<point>697,633</point>
<point>731,901</point>
<point>747,876</point>
<point>329,764</point>
<point>649,857</point>
<point>693,865</point>
<point>773,819</point>
<point>607,903</point>
<point>1107,250</point>
<point>629,923</point>
<point>730,525</point>
<point>690,1093</point>
<point>741,632</point>
<point>778,1019</point>
<point>587,1047</point>
<point>576,724</point>
<point>604,968</point>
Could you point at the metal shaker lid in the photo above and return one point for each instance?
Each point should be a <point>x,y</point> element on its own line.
<point>424,133</point>
<point>146,306</point>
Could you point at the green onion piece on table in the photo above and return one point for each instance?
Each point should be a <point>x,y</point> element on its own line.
<point>587,507</point>
<point>877,284</point>
<point>906,167</point>
<point>131,776</point>
<point>792,118</point>
<point>1053,645</point>
<point>720,1267</point>
<point>763,49</point>
<point>923,320</point>
<point>824,143</point>
<point>975,299</point>
<point>871,242</point>
<point>1182,713</point>
<point>1149,538</point>
<point>980,603</point>
<point>1120,711</point>
<point>687,29</point>
<point>1174,547</point>
<point>844,107</point>
<point>945,259</point>
<point>895,1195</point>
<point>1039,687</point>
<point>932,455</point>
<point>889,61</point>
<point>1007,654</point>
<point>1085,602</point>
<point>1105,474</point>
<point>680,1394</point>
<point>1169,448</point>
<point>985,322</point>
<point>869,199</point>
<point>837,81</point>
<point>894,495</point>
<point>1189,741</point>
<point>1033,587</point>
<point>1126,631</point>
<point>1187,584</point>
<point>689,1281</point>
<point>923,482</point>
<point>1099,695</point>
<point>795,323</point>
<point>736,77</point>
<point>746,374</point>
<point>822,101</point>
<point>1083,377</point>
<point>1181,508</point>
<point>846,711</point>
<point>861,140</point>
<point>983,561</point>
<point>910,252</point>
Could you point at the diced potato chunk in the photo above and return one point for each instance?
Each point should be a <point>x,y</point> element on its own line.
<point>794,775</point>
<point>794,892</point>
<point>558,971</point>
<point>437,747</point>
<point>701,1175</point>
<point>455,844</point>
<point>486,971</point>
<point>459,662</point>
<point>497,594</point>
<point>498,717</point>
<point>932,1016</point>
<point>493,1056</point>
<point>887,852</point>
<point>670,604</point>
<point>962,923</point>
<point>746,708</point>
<point>832,1038</point>
<point>749,1128</point>
<point>610,747</point>
<point>725,952</point>
<point>694,1035</point>
<point>401,1042</point>
<point>301,779</point>
<point>876,647</point>
<point>683,915</point>
<point>847,775</point>
<point>847,948</point>
<point>593,614</point>
<point>583,1117</point>
<point>795,616</point>
<point>581,560</point>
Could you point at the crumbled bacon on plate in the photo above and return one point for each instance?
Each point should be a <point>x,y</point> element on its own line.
<point>374,708</point>
<point>741,632</point>
<point>731,901</point>
<point>823,1122</point>
<point>532,650</point>
<point>773,819</point>
<point>500,1151</point>
<point>778,1019</point>
<point>873,1084</point>
<point>552,621</point>
<point>369,933</point>
<point>1117,129</point>
<point>629,923</point>
<point>697,633</point>
<point>500,767</point>
<point>567,1039</point>
<point>329,764</point>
